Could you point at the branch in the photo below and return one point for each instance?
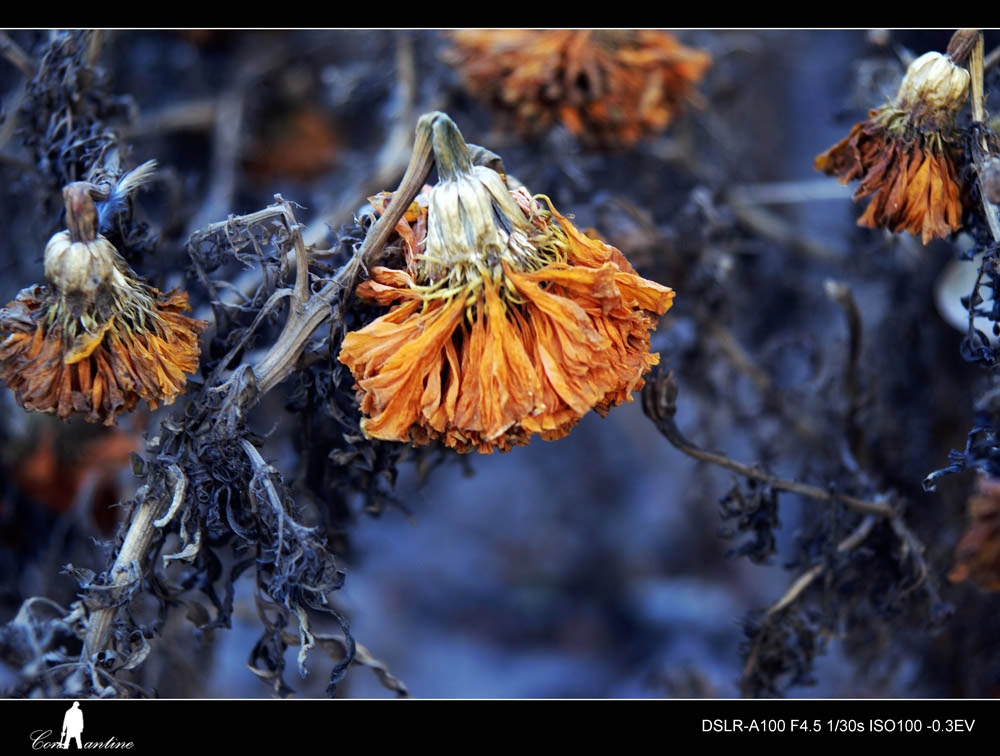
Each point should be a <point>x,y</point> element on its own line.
<point>855,539</point>
<point>841,294</point>
<point>12,51</point>
<point>742,361</point>
<point>659,402</point>
<point>976,71</point>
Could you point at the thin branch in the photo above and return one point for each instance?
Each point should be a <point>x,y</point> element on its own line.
<point>659,403</point>
<point>15,55</point>
<point>855,539</point>
<point>196,115</point>
<point>392,158</point>
<point>127,567</point>
<point>841,294</point>
<point>769,225</point>
<point>991,60</point>
<point>976,71</point>
<point>301,254</point>
<point>226,143</point>
<point>914,549</point>
<point>95,42</point>
<point>733,351</point>
<point>788,192</point>
<point>275,366</point>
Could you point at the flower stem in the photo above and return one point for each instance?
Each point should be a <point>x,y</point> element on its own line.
<point>976,69</point>
<point>450,151</point>
<point>278,363</point>
<point>659,403</point>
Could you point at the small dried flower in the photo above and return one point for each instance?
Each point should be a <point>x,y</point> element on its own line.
<point>507,320</point>
<point>905,155</point>
<point>607,86</point>
<point>977,556</point>
<point>96,340</point>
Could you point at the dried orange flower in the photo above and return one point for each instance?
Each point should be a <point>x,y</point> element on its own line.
<point>905,154</point>
<point>507,320</point>
<point>977,556</point>
<point>97,339</point>
<point>607,86</point>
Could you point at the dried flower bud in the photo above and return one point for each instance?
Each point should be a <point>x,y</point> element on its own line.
<point>933,91</point>
<point>473,223</point>
<point>78,261</point>
<point>78,269</point>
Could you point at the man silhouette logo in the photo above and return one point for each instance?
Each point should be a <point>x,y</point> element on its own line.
<point>72,726</point>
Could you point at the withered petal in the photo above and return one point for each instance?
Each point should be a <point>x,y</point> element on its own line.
<point>484,373</point>
<point>911,180</point>
<point>104,373</point>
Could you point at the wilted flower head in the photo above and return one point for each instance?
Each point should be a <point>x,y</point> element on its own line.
<point>607,86</point>
<point>905,154</point>
<point>507,320</point>
<point>96,340</point>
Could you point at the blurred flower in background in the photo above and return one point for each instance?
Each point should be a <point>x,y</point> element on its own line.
<point>608,87</point>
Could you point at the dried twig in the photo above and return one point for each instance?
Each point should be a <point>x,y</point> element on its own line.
<point>771,226</point>
<point>733,351</point>
<point>193,115</point>
<point>392,158</point>
<point>976,71</point>
<point>659,402</point>
<point>855,539</point>
<point>991,60</point>
<point>12,51</point>
<point>225,154</point>
<point>127,568</point>
<point>787,192</point>
<point>841,294</point>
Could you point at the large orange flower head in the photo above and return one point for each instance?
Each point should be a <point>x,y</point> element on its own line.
<point>905,155</point>
<point>97,339</point>
<point>610,87</point>
<point>506,321</point>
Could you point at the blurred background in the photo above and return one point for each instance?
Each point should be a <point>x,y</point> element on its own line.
<point>596,566</point>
